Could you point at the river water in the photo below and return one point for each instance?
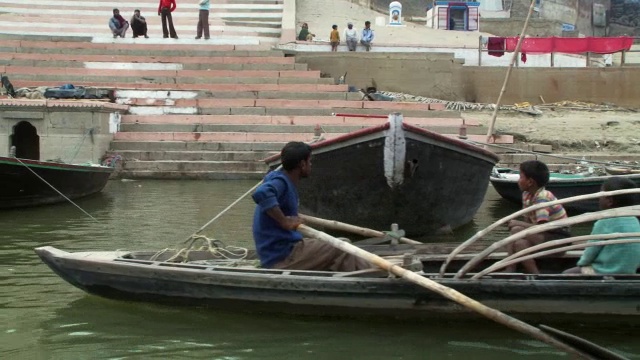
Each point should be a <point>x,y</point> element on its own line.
<point>43,317</point>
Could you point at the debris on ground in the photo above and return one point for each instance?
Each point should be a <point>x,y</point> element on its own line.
<point>523,107</point>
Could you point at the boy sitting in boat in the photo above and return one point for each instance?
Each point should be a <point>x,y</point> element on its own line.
<point>275,220</point>
<point>616,258</point>
<point>534,175</point>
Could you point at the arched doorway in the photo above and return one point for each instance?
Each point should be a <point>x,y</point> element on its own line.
<point>26,140</point>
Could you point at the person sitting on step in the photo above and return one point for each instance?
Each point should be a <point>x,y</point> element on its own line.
<point>615,258</point>
<point>138,24</point>
<point>118,24</point>
<point>534,175</point>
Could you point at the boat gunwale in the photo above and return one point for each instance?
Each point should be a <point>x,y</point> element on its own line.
<point>53,165</point>
<point>406,127</point>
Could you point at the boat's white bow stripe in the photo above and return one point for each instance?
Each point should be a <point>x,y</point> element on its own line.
<point>395,151</point>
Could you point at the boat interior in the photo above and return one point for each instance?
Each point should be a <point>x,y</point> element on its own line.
<point>411,257</point>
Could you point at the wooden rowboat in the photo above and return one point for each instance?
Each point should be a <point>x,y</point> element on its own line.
<point>396,173</point>
<point>234,283</point>
<point>26,182</point>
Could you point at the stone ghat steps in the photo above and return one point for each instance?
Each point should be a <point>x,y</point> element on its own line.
<point>167,97</point>
<point>284,129</point>
<point>83,46</point>
<point>452,119</point>
<point>90,18</point>
<point>252,136</point>
<point>220,87</point>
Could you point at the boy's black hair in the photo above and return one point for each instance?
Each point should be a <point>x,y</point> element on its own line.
<point>536,170</point>
<point>334,26</point>
<point>294,152</point>
<point>620,183</point>
<point>367,22</point>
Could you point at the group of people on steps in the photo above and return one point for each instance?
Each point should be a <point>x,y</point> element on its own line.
<point>138,23</point>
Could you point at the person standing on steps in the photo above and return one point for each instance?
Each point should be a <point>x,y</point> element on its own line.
<point>203,20</point>
<point>165,8</point>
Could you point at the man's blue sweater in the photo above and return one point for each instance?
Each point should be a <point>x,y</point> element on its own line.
<point>273,243</point>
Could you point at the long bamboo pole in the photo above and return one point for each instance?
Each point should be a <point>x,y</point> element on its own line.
<point>447,292</point>
<point>506,78</point>
<point>616,212</point>
<point>491,227</point>
<point>340,226</point>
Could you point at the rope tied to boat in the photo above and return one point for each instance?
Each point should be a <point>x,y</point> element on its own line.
<point>215,247</point>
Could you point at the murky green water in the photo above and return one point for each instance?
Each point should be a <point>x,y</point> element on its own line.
<point>42,317</point>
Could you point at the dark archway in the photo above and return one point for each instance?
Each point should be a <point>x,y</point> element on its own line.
<point>26,140</point>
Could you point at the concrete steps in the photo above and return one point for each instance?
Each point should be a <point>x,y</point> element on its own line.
<point>90,19</point>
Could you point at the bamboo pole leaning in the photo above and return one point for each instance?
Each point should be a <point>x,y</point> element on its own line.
<point>340,226</point>
<point>505,219</point>
<point>520,256</point>
<point>447,292</point>
<point>611,213</point>
<point>506,78</point>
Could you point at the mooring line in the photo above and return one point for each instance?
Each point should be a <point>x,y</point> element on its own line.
<point>56,190</point>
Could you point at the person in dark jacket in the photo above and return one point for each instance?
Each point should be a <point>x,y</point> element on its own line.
<point>138,24</point>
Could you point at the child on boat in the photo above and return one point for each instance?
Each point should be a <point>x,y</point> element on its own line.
<point>275,220</point>
<point>618,258</point>
<point>534,175</point>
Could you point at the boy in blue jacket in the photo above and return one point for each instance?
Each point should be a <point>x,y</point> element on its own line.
<point>275,220</point>
<point>618,258</point>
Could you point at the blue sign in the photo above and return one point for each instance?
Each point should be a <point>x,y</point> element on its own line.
<point>568,27</point>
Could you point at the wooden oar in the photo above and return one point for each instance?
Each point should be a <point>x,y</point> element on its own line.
<point>588,347</point>
<point>340,226</point>
<point>447,292</point>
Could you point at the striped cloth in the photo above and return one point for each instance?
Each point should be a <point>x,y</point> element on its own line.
<point>551,213</point>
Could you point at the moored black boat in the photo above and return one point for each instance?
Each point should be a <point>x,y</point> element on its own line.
<point>25,183</point>
<point>561,185</point>
<point>396,173</point>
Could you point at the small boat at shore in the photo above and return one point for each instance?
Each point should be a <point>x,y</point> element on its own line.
<point>561,185</point>
<point>232,282</point>
<point>396,173</point>
<point>25,183</point>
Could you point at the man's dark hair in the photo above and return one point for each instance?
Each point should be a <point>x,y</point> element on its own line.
<point>294,152</point>
<point>536,170</point>
<point>367,22</point>
<point>116,9</point>
<point>620,183</point>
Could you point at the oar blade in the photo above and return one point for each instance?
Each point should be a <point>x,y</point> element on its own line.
<point>586,346</point>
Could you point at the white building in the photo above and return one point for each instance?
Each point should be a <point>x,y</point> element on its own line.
<point>454,15</point>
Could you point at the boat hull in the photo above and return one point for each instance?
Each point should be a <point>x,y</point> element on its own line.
<point>423,181</point>
<point>20,187</point>
<point>561,188</point>
<point>323,293</point>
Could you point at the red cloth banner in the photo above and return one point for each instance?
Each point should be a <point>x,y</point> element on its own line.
<point>598,45</point>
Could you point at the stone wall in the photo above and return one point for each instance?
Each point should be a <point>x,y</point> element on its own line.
<point>626,13</point>
<point>409,7</point>
<point>64,134</point>
<point>440,76</point>
<point>575,12</point>
<point>434,74</point>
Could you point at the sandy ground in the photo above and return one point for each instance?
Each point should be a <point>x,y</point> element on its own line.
<point>571,130</point>
<point>321,14</point>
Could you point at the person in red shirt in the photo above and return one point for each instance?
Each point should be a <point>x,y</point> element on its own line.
<point>165,8</point>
